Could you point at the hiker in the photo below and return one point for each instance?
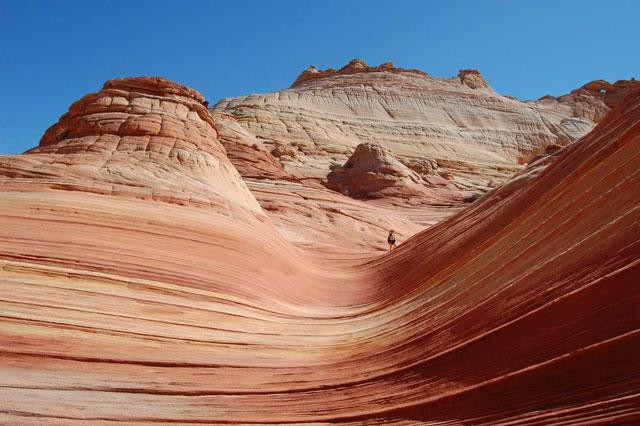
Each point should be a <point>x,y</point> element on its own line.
<point>391,239</point>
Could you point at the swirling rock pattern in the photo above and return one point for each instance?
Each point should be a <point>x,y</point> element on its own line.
<point>286,144</point>
<point>519,309</point>
<point>474,134</point>
<point>146,137</point>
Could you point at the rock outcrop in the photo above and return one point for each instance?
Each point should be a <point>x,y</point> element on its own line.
<point>610,93</point>
<point>472,78</point>
<point>372,172</point>
<point>354,66</point>
<point>457,134</point>
<point>521,308</point>
<point>143,137</point>
<point>476,135</point>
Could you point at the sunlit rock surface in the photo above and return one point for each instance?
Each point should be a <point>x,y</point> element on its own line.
<point>121,306</point>
<point>144,137</point>
<point>475,135</point>
<point>372,172</point>
<point>288,145</point>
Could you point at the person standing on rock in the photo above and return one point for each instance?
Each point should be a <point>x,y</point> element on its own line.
<point>391,239</point>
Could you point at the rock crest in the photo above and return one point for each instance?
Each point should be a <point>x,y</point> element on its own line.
<point>354,66</point>
<point>472,78</point>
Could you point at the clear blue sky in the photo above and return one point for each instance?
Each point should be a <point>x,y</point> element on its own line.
<point>54,52</point>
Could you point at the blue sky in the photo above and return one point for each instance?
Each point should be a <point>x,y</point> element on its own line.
<point>54,52</point>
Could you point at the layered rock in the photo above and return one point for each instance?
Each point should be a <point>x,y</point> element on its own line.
<point>477,136</point>
<point>457,134</point>
<point>355,66</point>
<point>372,172</point>
<point>246,152</point>
<point>143,137</point>
<point>522,308</point>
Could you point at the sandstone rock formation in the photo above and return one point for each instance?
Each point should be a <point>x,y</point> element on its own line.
<point>310,215</point>
<point>596,98</point>
<point>354,66</point>
<point>140,137</point>
<point>246,152</point>
<point>472,78</point>
<point>372,172</point>
<point>457,134</point>
<point>521,308</point>
<point>476,135</point>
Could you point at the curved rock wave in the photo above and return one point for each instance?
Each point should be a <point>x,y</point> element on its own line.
<point>522,308</point>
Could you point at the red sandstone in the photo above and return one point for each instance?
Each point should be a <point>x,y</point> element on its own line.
<point>191,308</point>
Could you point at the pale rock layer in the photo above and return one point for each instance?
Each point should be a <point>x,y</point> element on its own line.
<point>474,134</point>
<point>459,136</point>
